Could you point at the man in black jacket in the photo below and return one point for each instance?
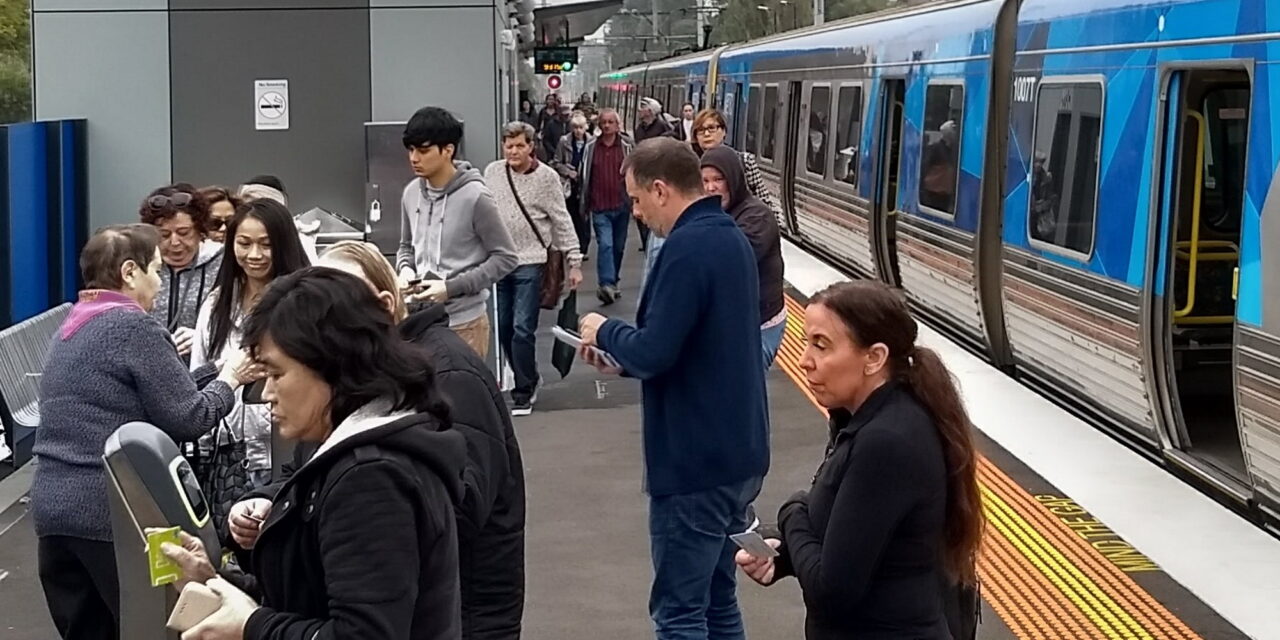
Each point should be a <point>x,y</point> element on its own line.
<point>491,515</point>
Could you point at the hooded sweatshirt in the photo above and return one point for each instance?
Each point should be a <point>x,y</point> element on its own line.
<point>757,221</point>
<point>456,234</point>
<point>361,541</point>
<point>182,291</point>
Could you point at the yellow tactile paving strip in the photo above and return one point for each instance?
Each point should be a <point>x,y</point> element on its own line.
<point>1044,580</point>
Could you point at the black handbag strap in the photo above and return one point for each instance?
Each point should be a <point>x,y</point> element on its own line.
<point>527,218</point>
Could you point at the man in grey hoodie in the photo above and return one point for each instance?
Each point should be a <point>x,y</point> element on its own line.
<point>453,243</point>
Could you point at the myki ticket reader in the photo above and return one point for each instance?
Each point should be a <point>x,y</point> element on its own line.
<point>150,484</point>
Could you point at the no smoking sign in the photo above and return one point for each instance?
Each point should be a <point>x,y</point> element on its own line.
<point>271,105</point>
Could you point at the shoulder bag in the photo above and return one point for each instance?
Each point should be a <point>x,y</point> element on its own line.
<point>553,272</point>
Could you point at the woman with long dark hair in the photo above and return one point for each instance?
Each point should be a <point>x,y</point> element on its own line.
<point>361,541</point>
<point>894,513</point>
<point>261,244</point>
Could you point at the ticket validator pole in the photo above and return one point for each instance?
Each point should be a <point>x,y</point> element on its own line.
<point>150,484</point>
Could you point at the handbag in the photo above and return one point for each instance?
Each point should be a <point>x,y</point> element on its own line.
<point>226,478</point>
<point>553,272</point>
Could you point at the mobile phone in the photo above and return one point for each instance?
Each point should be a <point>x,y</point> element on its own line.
<point>753,543</point>
<point>572,338</point>
<point>195,603</point>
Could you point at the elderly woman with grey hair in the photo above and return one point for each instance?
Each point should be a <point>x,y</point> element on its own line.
<point>568,163</point>
<point>530,199</point>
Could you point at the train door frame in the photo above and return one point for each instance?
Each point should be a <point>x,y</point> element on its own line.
<point>1159,299</point>
<point>794,105</point>
<point>890,127</point>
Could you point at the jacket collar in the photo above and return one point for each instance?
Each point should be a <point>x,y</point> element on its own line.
<point>93,303</point>
<point>703,207</point>
<point>365,419</point>
<point>842,422</point>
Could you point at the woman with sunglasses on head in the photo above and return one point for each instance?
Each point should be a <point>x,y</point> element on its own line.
<point>181,214</point>
<point>222,207</point>
<point>894,515</point>
<point>261,245</point>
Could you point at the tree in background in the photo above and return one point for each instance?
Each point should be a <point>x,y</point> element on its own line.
<point>15,61</point>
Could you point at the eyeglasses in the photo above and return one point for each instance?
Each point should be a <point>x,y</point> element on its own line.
<point>710,128</point>
<point>177,201</point>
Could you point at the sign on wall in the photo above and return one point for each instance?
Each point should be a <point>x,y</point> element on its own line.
<point>271,105</point>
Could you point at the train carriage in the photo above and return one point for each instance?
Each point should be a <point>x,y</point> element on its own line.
<point>1084,192</point>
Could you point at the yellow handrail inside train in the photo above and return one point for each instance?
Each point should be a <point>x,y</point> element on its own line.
<point>1195,217</point>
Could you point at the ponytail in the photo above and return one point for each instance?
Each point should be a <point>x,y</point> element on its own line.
<point>935,388</point>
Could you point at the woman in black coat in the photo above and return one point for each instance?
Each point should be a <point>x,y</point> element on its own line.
<point>361,541</point>
<point>894,512</point>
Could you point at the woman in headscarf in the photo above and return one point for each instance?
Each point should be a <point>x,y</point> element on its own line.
<point>723,175</point>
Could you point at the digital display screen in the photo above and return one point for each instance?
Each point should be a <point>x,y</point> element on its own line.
<point>191,487</point>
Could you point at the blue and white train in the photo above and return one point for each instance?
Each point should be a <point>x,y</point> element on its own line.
<point>1083,191</point>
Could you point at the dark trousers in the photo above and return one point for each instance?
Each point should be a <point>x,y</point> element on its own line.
<point>644,234</point>
<point>80,587</point>
<point>581,224</point>
<point>694,594</point>
<point>519,296</point>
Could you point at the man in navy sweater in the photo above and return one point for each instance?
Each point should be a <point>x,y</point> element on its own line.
<point>696,347</point>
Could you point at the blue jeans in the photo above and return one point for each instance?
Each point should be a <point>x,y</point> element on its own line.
<point>611,240</point>
<point>518,308</point>
<point>651,258</point>
<point>694,594</point>
<point>771,340</point>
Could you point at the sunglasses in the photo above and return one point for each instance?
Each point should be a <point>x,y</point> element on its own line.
<point>177,201</point>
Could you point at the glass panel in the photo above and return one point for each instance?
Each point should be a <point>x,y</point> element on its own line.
<point>849,135</point>
<point>819,127</point>
<point>753,120</point>
<point>940,158</point>
<point>1064,167</point>
<point>768,130</point>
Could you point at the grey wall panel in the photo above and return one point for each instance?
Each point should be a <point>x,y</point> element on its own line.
<point>432,3</point>
<point>324,54</point>
<point>179,5</point>
<point>99,5</point>
<point>464,81</point>
<point>113,69</point>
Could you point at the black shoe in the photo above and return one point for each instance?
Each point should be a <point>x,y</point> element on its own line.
<point>605,295</point>
<point>521,408</point>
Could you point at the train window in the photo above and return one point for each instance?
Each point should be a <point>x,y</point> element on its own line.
<point>1064,166</point>
<point>753,120</point>
<point>848,134</point>
<point>940,147</point>
<point>768,133</point>
<point>819,130</point>
<point>1226,112</point>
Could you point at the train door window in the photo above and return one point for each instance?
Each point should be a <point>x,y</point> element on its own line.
<point>1064,166</point>
<point>848,134</point>
<point>818,130</point>
<point>753,121</point>
<point>769,128</point>
<point>940,147</point>
<point>732,112</point>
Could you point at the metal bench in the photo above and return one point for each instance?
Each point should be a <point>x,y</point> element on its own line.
<point>23,349</point>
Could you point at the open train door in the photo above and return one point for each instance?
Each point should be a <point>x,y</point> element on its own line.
<point>1194,316</point>
<point>888,162</point>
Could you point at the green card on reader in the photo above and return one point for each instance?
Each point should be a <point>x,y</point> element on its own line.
<point>163,570</point>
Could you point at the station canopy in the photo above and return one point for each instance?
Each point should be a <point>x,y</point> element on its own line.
<point>570,22</point>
